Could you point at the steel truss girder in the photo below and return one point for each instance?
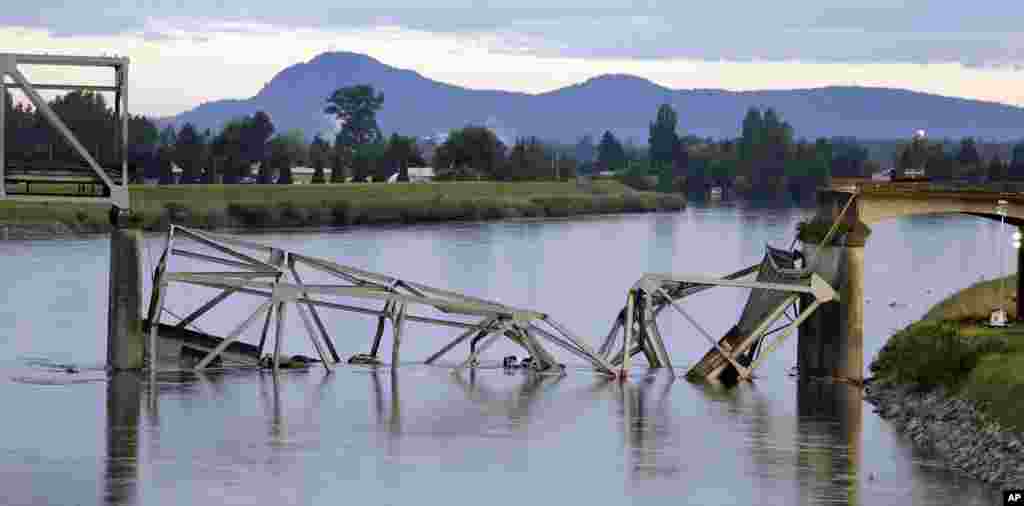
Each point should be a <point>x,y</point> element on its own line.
<point>278,281</point>
<point>9,63</point>
<point>639,333</point>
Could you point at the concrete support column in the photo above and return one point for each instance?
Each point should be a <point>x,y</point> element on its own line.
<point>831,341</point>
<point>850,362</point>
<point>126,348</point>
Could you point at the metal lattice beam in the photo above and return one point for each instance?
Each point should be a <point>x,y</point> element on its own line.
<point>9,68</point>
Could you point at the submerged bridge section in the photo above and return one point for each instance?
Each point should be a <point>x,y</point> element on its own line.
<point>274,275</point>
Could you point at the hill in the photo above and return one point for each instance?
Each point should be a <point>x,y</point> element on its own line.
<point>416,105</point>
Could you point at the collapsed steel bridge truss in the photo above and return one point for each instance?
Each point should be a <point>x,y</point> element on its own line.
<point>636,326</point>
<point>271,273</point>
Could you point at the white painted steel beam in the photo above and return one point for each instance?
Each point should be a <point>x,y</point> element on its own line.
<point>9,62</point>
<point>68,60</point>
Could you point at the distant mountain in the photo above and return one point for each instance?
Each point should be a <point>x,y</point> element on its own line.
<point>624,104</point>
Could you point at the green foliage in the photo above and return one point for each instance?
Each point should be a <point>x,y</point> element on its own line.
<point>242,142</point>
<point>610,153</point>
<point>356,109</point>
<point>470,151</point>
<point>286,151</point>
<point>933,353</point>
<point>528,160</point>
<point>319,158</point>
<point>813,232</point>
<point>188,153</point>
<point>663,139</point>
<point>977,301</point>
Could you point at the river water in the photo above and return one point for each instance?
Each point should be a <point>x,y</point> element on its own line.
<point>419,434</point>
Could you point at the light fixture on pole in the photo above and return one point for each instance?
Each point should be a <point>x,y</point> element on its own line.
<point>998,316</point>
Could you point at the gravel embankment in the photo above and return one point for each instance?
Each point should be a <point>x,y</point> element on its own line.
<point>954,430</point>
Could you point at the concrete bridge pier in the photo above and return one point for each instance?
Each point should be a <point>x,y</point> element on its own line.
<point>831,340</point>
<point>126,348</point>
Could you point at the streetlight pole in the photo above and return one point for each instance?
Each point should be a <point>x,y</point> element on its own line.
<point>1000,319</point>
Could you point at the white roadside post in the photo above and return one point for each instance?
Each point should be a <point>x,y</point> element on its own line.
<point>998,317</point>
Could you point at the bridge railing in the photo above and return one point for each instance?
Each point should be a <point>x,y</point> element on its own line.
<point>928,186</point>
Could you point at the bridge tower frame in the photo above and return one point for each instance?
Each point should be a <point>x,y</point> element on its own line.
<point>9,67</point>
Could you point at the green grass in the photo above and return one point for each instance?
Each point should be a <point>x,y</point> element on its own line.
<point>214,206</point>
<point>977,301</point>
<point>951,348</point>
<point>42,213</point>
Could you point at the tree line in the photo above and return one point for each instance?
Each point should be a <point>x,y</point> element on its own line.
<point>229,156</point>
<point>945,160</point>
<point>766,158</point>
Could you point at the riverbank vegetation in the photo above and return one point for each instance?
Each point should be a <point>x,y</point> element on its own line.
<point>952,348</point>
<point>249,206</point>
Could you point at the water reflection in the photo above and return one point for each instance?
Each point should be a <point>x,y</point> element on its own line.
<point>829,439</point>
<point>124,405</point>
<point>648,428</point>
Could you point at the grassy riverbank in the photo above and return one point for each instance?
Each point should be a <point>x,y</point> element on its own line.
<point>217,206</point>
<point>952,348</point>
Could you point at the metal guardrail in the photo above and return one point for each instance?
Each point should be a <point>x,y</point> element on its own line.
<point>1011,187</point>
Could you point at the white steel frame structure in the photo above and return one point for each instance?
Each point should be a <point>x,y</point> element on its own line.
<point>278,281</point>
<point>636,326</point>
<point>9,67</point>
<point>271,273</point>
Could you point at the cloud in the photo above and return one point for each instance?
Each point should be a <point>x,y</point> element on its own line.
<point>730,30</point>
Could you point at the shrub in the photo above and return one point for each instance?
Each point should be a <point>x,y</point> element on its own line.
<point>933,353</point>
<point>253,215</point>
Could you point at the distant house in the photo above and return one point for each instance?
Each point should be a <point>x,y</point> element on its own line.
<point>883,175</point>
<point>302,175</point>
<point>421,174</point>
<point>154,178</point>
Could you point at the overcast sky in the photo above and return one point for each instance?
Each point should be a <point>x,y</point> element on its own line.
<point>187,52</point>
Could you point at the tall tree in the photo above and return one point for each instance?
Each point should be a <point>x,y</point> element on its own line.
<point>968,158</point>
<point>188,154</point>
<point>284,152</point>
<point>662,137</point>
<point>471,151</point>
<point>168,136</point>
<point>401,152</point>
<point>1017,162</point>
<point>256,134</point>
<point>586,153</point>
<point>610,153</point>
<point>319,158</point>
<point>355,108</point>
<point>750,139</point>
<point>848,158</point>
<point>527,160</point>
<point>227,151</point>
<point>997,170</point>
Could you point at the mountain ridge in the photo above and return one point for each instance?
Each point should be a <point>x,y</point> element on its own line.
<point>623,103</point>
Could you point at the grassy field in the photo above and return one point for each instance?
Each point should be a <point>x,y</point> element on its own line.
<point>215,206</point>
<point>952,347</point>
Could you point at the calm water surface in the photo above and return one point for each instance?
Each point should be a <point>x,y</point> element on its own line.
<point>419,434</point>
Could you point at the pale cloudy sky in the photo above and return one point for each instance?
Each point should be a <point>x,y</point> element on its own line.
<point>187,52</point>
